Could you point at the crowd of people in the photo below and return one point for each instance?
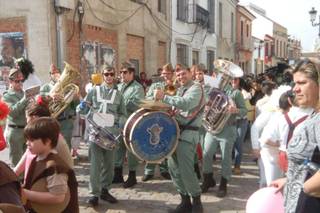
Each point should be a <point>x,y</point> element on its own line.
<point>280,114</point>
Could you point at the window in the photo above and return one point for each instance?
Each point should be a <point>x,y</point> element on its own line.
<point>182,9</point>
<point>210,59</point>
<point>162,6</point>
<point>248,30</point>
<point>232,26</point>
<point>220,19</point>
<point>182,54</point>
<point>211,9</point>
<point>195,57</point>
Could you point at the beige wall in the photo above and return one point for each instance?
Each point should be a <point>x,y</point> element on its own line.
<point>227,37</point>
<point>280,36</point>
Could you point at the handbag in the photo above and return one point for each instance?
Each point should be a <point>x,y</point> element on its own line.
<point>307,203</point>
<point>283,159</point>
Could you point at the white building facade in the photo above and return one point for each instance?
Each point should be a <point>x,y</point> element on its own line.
<point>193,39</point>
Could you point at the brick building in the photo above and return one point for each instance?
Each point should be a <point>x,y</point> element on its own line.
<point>89,33</point>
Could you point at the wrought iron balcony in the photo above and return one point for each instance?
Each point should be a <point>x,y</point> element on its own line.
<point>198,15</point>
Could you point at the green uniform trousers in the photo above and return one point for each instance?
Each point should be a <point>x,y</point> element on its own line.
<point>181,168</point>
<point>150,167</point>
<point>120,155</point>
<point>66,127</point>
<point>17,144</point>
<point>101,168</point>
<point>225,139</point>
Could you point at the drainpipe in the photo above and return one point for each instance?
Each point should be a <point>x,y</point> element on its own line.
<point>59,35</point>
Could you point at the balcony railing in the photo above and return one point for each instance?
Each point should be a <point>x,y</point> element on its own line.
<point>198,15</point>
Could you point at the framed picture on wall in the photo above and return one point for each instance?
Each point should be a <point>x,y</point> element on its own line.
<point>11,48</point>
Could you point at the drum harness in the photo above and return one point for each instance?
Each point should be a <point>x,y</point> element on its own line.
<point>103,131</point>
<point>193,115</point>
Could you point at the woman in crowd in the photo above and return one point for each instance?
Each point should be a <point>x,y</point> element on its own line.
<point>304,144</point>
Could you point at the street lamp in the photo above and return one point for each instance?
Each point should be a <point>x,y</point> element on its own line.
<point>313,16</point>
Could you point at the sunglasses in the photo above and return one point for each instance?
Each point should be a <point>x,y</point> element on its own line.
<point>124,72</point>
<point>18,81</point>
<point>108,74</point>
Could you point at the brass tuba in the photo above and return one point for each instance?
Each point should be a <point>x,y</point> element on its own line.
<point>66,88</point>
<point>216,110</point>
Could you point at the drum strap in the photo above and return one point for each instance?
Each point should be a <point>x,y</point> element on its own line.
<point>200,106</point>
<point>104,101</point>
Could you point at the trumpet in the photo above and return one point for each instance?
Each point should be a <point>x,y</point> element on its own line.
<point>171,88</point>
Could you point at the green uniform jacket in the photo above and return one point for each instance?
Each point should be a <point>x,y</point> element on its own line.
<point>132,94</point>
<point>189,98</point>
<point>17,104</point>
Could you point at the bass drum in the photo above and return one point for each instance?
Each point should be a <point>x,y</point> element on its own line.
<point>151,135</point>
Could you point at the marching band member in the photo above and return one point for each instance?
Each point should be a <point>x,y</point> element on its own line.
<point>167,74</point>
<point>66,118</point>
<point>132,93</point>
<point>226,139</point>
<point>104,99</point>
<point>16,120</point>
<point>188,103</point>
<point>199,76</point>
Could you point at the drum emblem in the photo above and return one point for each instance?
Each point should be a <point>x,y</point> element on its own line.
<point>154,132</point>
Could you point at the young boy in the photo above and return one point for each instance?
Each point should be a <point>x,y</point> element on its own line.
<point>50,182</point>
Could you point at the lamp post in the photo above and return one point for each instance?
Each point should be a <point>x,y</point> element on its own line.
<point>313,16</point>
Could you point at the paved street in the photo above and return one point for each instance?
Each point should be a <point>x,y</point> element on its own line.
<point>159,195</point>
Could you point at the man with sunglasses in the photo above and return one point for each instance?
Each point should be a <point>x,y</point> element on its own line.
<point>133,93</point>
<point>16,120</point>
<point>188,105</point>
<point>66,118</point>
<point>105,99</point>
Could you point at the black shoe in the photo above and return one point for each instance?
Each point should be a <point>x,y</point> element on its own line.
<point>93,201</point>
<point>105,195</point>
<point>208,181</point>
<point>118,177</point>
<point>146,177</point>
<point>131,181</point>
<point>222,192</point>
<point>166,175</point>
<point>197,205</point>
<point>185,205</point>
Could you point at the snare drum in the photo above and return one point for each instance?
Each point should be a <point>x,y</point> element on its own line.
<point>151,135</point>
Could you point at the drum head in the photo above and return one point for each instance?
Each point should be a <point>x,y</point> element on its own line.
<point>154,136</point>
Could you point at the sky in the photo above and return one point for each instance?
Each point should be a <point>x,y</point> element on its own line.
<point>294,15</point>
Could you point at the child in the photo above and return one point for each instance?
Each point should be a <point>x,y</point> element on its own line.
<point>35,110</point>
<point>59,191</point>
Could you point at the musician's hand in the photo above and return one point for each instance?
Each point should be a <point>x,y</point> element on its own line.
<point>233,109</point>
<point>57,97</point>
<point>158,95</point>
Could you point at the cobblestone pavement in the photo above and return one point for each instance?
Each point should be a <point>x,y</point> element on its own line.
<point>158,195</point>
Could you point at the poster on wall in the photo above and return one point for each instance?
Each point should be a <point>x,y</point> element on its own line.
<point>11,47</point>
<point>96,54</point>
<point>107,55</point>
